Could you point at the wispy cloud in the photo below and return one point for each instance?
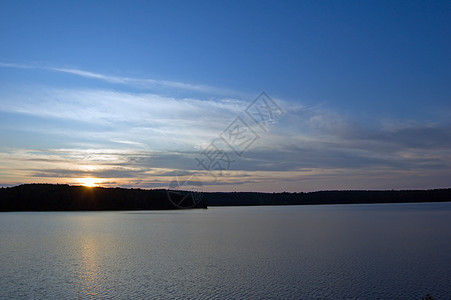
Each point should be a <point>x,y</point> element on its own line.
<point>128,119</point>
<point>141,83</point>
<point>111,79</point>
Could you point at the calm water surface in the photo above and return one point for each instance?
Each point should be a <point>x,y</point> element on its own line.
<point>379,251</point>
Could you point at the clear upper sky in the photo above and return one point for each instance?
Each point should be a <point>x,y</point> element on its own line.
<point>132,93</point>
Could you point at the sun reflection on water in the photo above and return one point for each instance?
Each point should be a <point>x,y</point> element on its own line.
<point>90,273</point>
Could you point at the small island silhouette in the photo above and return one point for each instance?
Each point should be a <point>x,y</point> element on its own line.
<point>62,197</point>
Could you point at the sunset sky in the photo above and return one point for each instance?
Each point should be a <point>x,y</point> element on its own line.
<point>134,93</point>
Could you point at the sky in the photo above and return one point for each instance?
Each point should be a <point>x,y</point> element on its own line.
<point>263,96</point>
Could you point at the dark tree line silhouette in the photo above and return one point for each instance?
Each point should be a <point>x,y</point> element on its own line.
<point>327,197</point>
<point>50,197</point>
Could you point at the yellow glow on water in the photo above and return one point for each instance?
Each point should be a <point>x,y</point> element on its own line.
<point>90,272</point>
<point>89,181</point>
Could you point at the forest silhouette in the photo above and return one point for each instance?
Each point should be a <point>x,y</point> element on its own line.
<point>51,197</point>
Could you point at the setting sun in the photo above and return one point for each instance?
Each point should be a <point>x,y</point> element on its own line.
<point>89,182</point>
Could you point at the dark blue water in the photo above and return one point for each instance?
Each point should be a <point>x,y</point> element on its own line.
<point>380,251</point>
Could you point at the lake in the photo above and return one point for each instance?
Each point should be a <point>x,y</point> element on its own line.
<point>376,251</point>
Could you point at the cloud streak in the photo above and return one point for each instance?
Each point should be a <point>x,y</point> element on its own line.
<point>123,118</point>
<point>141,83</point>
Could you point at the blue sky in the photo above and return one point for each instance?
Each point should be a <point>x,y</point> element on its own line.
<point>130,93</point>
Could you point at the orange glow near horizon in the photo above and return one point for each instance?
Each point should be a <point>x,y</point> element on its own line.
<point>89,182</point>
